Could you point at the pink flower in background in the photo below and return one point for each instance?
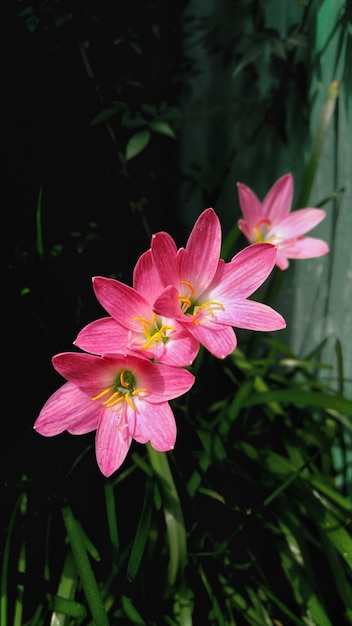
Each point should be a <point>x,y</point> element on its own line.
<point>121,397</point>
<point>271,221</point>
<point>134,327</point>
<point>205,294</point>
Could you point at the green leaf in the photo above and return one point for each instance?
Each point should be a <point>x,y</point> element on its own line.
<point>141,537</point>
<point>298,397</point>
<point>163,128</point>
<point>131,611</point>
<point>89,583</point>
<point>137,143</point>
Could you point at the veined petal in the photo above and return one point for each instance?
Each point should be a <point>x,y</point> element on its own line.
<point>146,279</point>
<point>90,373</point>
<point>298,223</point>
<point>307,248</point>
<point>166,382</point>
<point>277,202</point>
<point>122,302</point>
<point>70,409</point>
<point>103,336</point>
<point>167,304</point>
<point>179,351</point>
<point>164,255</point>
<point>113,441</point>
<point>246,272</point>
<point>247,230</point>
<point>250,206</point>
<point>202,252</point>
<point>219,340</point>
<point>281,259</point>
<point>156,423</point>
<point>252,315</point>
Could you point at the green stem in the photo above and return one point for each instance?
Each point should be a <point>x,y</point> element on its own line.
<point>173,514</point>
<point>84,569</point>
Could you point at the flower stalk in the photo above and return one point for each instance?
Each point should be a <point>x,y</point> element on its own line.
<point>173,514</point>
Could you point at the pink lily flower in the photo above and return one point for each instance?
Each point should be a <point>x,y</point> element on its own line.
<point>271,221</point>
<point>134,327</point>
<point>208,296</point>
<point>121,397</point>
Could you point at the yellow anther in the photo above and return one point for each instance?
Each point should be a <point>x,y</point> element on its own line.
<point>129,401</point>
<point>120,399</point>
<point>157,337</point>
<point>103,393</point>
<point>258,236</point>
<point>208,306</point>
<point>185,302</point>
<point>124,383</point>
<point>191,288</point>
<point>134,393</point>
<point>112,397</point>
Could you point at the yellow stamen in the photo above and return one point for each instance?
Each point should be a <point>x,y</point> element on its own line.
<point>208,306</point>
<point>186,303</point>
<point>134,393</point>
<point>157,337</point>
<point>191,288</point>
<point>259,238</point>
<point>109,404</point>
<point>100,395</point>
<point>124,383</point>
<point>129,401</point>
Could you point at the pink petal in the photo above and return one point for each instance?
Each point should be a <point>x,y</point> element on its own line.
<point>168,305</point>
<point>122,302</point>
<point>307,248</point>
<point>103,336</point>
<point>246,272</point>
<point>254,316</point>
<point>250,207</point>
<point>165,382</point>
<point>247,230</point>
<point>298,223</point>
<point>146,279</point>
<point>202,252</point>
<point>281,259</point>
<point>89,372</point>
<point>156,423</point>
<point>70,409</point>
<point>277,202</point>
<point>219,340</point>
<point>164,255</point>
<point>180,350</point>
<point>113,441</point>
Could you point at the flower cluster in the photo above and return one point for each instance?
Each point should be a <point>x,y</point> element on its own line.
<point>135,359</point>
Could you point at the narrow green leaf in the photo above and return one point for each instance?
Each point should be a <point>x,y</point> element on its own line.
<point>131,612</point>
<point>68,607</point>
<point>137,143</point>
<point>141,537</point>
<point>110,505</point>
<point>299,397</point>
<point>5,562</point>
<point>172,512</point>
<point>84,568</point>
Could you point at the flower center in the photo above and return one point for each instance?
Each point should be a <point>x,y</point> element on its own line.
<point>198,311</point>
<point>261,231</point>
<point>154,331</point>
<point>123,388</point>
